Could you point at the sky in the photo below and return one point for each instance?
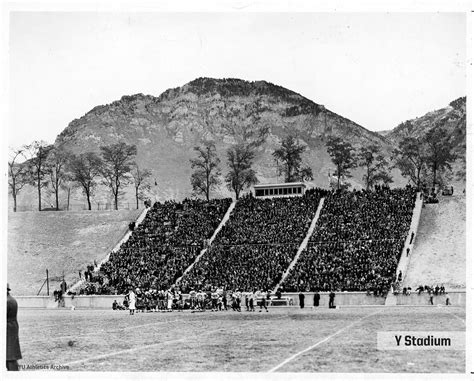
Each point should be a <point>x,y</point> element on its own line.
<point>377,69</point>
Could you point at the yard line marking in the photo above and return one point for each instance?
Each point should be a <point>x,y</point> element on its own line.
<point>144,325</point>
<point>291,358</point>
<point>130,350</point>
<point>100,332</point>
<point>457,317</point>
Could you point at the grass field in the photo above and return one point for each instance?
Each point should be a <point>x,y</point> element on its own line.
<point>341,340</point>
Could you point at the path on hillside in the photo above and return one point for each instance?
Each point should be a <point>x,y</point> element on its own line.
<point>211,240</point>
<point>439,253</point>
<point>303,245</point>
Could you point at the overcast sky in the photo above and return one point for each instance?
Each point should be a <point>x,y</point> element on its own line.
<point>377,69</point>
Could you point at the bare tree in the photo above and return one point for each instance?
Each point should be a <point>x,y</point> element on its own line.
<point>439,153</point>
<point>55,168</point>
<point>17,173</point>
<point>241,174</point>
<point>410,158</point>
<point>68,186</point>
<point>117,162</point>
<point>206,170</point>
<point>289,155</point>
<point>343,157</point>
<point>375,164</point>
<point>84,169</point>
<point>37,154</point>
<point>140,181</point>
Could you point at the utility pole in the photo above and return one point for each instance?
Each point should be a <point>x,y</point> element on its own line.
<point>47,282</point>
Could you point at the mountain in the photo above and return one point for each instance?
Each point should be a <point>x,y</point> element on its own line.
<point>452,119</point>
<point>166,128</point>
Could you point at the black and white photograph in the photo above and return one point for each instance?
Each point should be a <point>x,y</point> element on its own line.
<point>240,189</point>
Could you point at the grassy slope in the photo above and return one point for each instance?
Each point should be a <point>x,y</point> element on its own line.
<point>60,242</point>
<point>439,254</point>
<point>236,342</point>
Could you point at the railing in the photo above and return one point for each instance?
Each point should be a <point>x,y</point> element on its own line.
<point>33,207</point>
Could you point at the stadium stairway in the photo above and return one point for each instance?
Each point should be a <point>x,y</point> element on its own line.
<point>303,245</point>
<point>211,240</point>
<point>391,299</point>
<point>124,239</point>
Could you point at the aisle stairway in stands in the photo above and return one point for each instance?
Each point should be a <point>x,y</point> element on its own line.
<point>139,220</point>
<point>211,240</point>
<point>303,245</point>
<point>391,299</point>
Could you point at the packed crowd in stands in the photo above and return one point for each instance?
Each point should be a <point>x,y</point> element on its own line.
<point>241,266</point>
<point>346,266</point>
<point>361,215</point>
<point>161,247</point>
<point>257,243</point>
<point>357,242</point>
<point>355,246</point>
<point>273,220</point>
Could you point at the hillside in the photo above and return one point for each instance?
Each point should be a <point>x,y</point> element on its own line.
<point>62,242</point>
<point>166,128</point>
<point>451,118</point>
<point>439,254</point>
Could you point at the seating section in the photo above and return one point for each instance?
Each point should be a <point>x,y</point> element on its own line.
<point>162,246</point>
<point>355,246</point>
<point>257,244</point>
<point>357,242</point>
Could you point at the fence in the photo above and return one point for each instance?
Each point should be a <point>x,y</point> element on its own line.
<point>33,207</point>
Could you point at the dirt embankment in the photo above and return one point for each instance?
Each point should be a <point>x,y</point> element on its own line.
<point>62,242</point>
<point>439,254</point>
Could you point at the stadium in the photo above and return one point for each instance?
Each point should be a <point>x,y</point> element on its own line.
<point>204,274</point>
<point>276,192</point>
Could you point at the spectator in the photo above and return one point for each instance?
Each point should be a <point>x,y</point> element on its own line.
<point>301,297</point>
<point>316,299</point>
<point>332,296</point>
<point>13,341</point>
<point>278,293</point>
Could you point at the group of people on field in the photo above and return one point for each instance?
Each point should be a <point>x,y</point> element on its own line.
<point>213,299</point>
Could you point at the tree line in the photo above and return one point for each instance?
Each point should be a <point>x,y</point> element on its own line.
<point>51,169</point>
<point>420,159</point>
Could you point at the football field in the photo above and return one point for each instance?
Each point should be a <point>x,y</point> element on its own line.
<point>282,340</point>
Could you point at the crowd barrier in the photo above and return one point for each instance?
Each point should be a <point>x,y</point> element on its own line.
<point>105,301</point>
<point>456,298</point>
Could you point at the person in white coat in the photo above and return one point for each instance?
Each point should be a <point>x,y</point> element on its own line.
<point>170,297</point>
<point>133,298</point>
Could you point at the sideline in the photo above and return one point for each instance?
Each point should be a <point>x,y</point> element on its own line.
<point>291,358</point>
